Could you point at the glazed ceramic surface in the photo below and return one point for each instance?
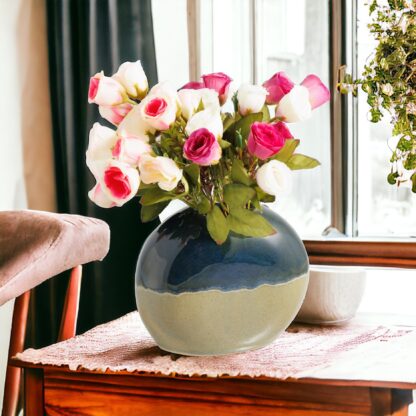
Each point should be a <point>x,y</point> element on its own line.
<point>199,298</point>
<point>334,294</point>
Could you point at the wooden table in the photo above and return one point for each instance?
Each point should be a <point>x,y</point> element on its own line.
<point>58,390</point>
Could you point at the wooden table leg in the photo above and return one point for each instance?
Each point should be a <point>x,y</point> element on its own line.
<point>390,402</point>
<point>34,392</point>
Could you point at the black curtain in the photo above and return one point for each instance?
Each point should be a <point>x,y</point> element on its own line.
<point>85,37</point>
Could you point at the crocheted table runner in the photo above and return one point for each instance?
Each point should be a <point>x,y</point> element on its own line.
<point>351,352</point>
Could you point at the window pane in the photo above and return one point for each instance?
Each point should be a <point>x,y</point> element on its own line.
<point>294,36</point>
<point>383,209</point>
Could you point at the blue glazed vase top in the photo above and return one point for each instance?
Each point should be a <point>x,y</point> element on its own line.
<point>180,256</point>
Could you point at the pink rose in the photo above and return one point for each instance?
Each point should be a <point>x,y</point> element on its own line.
<point>265,140</point>
<point>202,148</point>
<point>100,198</point>
<point>105,91</point>
<point>318,93</point>
<point>115,114</point>
<point>277,87</point>
<point>193,85</point>
<point>219,82</point>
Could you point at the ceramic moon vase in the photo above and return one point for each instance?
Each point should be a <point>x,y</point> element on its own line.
<point>199,298</point>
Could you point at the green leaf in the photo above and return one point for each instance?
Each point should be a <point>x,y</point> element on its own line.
<point>244,124</point>
<point>263,196</point>
<point>229,120</point>
<point>239,173</point>
<point>192,171</point>
<point>237,195</point>
<point>266,113</point>
<point>217,225</point>
<point>204,205</point>
<point>286,152</point>
<point>248,223</point>
<point>144,188</point>
<point>298,161</point>
<point>392,178</point>
<point>224,144</point>
<point>151,212</point>
<point>413,179</point>
<point>154,196</point>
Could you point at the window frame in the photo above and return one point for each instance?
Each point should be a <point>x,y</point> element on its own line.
<point>397,253</point>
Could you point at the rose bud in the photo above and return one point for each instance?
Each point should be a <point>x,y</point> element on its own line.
<point>274,178</point>
<point>318,93</point>
<point>265,139</point>
<point>295,106</point>
<point>219,82</point>
<point>105,91</point>
<point>131,75</point>
<point>118,181</point>
<point>202,148</point>
<point>251,99</point>
<point>277,87</point>
<point>101,142</point>
<point>161,170</point>
<point>115,114</point>
<point>209,119</point>
<point>192,85</point>
<point>130,150</point>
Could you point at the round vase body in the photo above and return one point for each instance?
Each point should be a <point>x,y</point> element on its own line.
<point>199,298</point>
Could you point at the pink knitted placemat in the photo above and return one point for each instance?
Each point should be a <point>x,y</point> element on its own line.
<point>354,351</point>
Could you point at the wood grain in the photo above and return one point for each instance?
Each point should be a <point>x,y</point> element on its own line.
<point>362,253</point>
<point>34,392</point>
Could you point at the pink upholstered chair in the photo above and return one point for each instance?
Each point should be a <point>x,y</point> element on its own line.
<point>35,246</point>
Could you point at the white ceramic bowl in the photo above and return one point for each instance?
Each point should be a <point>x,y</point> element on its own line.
<point>334,294</point>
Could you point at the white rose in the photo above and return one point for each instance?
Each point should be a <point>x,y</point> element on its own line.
<point>274,178</point>
<point>295,106</point>
<point>209,119</point>
<point>118,181</point>
<point>133,79</point>
<point>134,125</point>
<point>190,100</point>
<point>251,99</point>
<point>101,142</point>
<point>161,170</point>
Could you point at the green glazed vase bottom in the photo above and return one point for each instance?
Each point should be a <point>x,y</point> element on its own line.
<point>215,322</point>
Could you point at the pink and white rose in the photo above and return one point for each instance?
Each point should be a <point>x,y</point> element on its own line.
<point>130,150</point>
<point>277,87</point>
<point>132,76</point>
<point>105,91</point>
<point>265,140</point>
<point>318,92</point>
<point>159,109</point>
<point>251,99</point>
<point>202,148</point>
<point>295,106</point>
<point>219,82</point>
<point>117,182</point>
<point>161,170</point>
<point>115,114</point>
<point>274,178</point>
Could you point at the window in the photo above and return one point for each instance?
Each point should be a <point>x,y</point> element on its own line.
<point>252,39</point>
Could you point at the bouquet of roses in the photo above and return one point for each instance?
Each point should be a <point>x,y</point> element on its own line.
<point>171,144</point>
